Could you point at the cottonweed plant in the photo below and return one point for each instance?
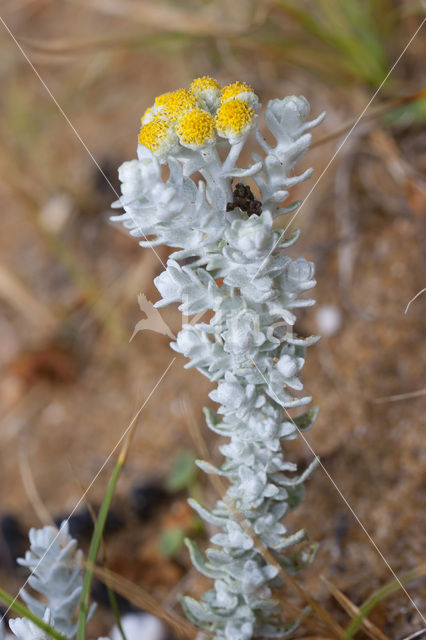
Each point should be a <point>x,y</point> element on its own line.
<point>230,260</point>
<point>56,574</point>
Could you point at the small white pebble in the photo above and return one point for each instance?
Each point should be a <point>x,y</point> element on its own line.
<point>139,626</point>
<point>54,414</point>
<point>56,212</point>
<point>329,319</point>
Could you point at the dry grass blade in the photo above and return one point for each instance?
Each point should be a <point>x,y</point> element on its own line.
<point>369,627</point>
<point>401,396</point>
<point>322,614</point>
<point>379,595</point>
<point>31,487</point>
<point>421,633</point>
<point>380,110</point>
<point>80,45</point>
<point>169,18</point>
<point>142,599</point>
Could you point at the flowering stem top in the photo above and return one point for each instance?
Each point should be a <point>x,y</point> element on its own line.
<point>230,260</point>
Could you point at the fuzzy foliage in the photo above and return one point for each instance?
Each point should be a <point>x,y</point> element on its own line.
<point>56,567</point>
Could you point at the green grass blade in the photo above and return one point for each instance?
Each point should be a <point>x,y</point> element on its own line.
<point>377,597</point>
<point>96,540</point>
<point>94,549</point>
<point>346,28</point>
<point>22,611</point>
<point>116,611</point>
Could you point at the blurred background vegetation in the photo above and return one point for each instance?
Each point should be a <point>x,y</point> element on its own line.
<point>74,85</point>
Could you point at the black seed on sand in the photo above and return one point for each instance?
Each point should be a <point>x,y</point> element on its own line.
<point>101,597</point>
<point>13,540</point>
<point>146,498</point>
<point>80,524</point>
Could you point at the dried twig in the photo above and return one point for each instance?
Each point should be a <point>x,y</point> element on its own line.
<point>421,633</point>
<point>369,627</point>
<point>170,18</point>
<point>401,396</point>
<point>374,113</point>
<point>31,487</point>
<point>143,600</point>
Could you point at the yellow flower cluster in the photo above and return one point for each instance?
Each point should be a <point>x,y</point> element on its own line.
<point>194,116</point>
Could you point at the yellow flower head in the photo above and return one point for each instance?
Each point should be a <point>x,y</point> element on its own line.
<point>207,91</point>
<point>234,118</point>
<point>240,91</point>
<point>172,105</point>
<point>157,135</point>
<point>195,128</point>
